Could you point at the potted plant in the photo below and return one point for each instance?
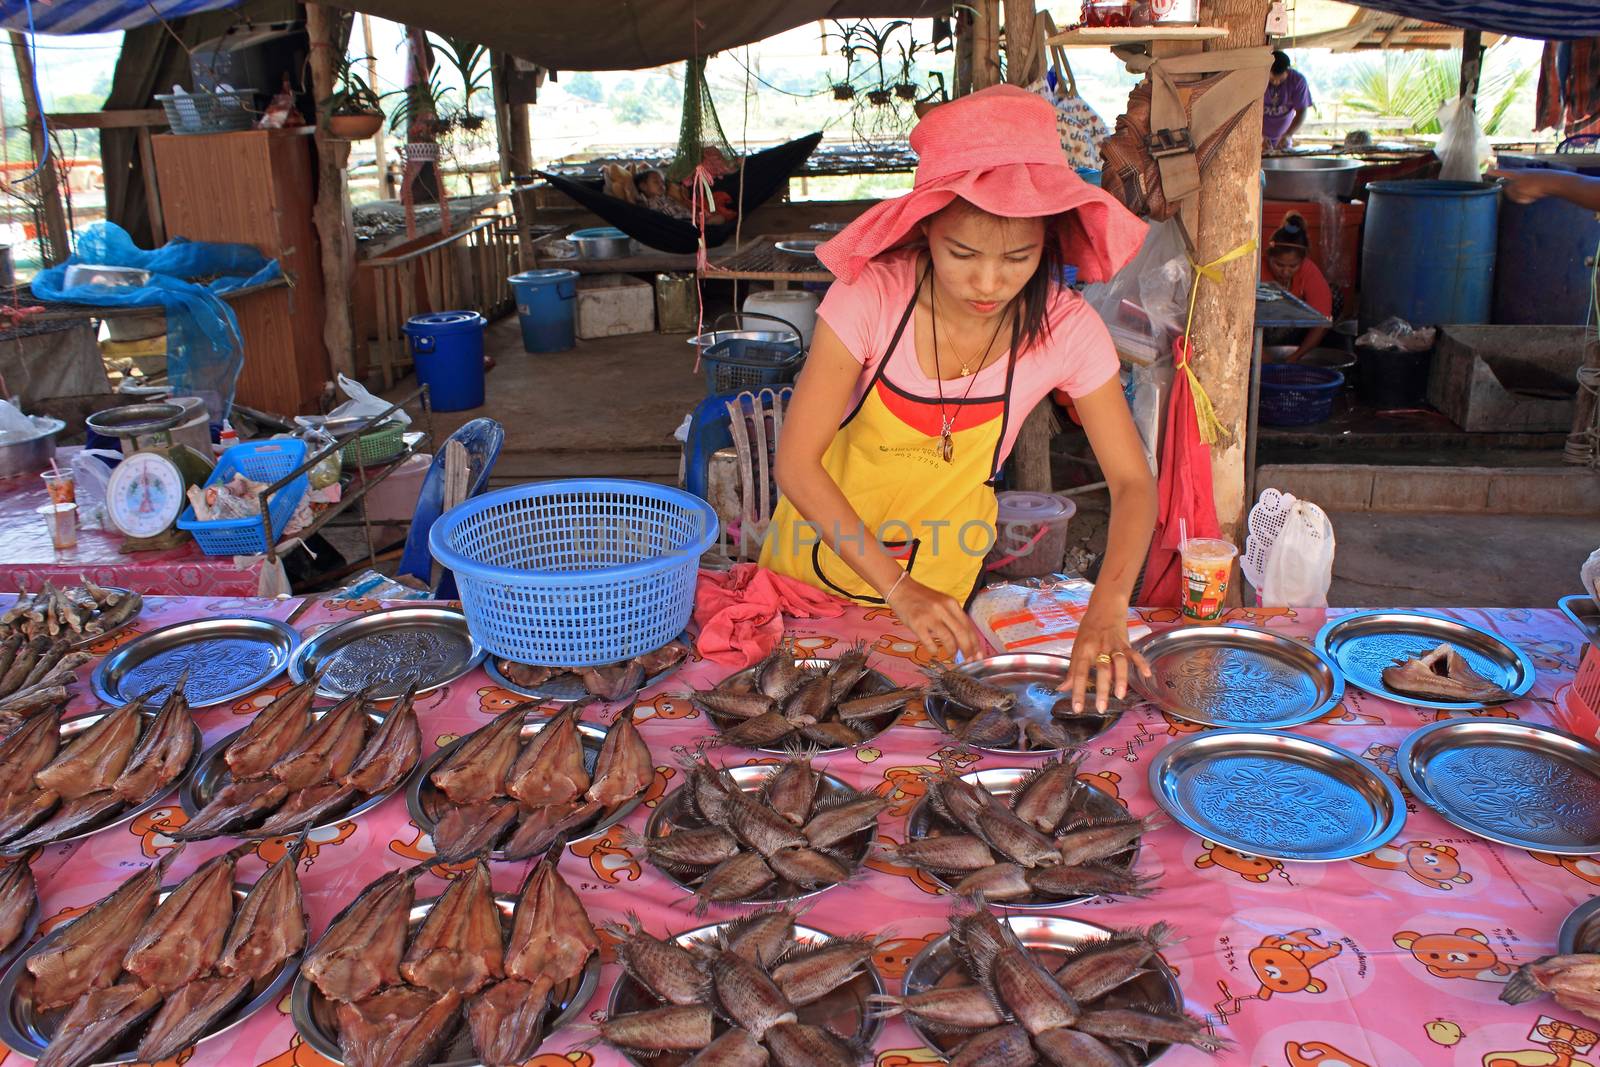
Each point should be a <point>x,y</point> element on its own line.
<point>843,90</point>
<point>353,112</point>
<point>906,87</point>
<point>878,97</point>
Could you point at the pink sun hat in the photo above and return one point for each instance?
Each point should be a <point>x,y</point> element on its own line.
<point>997,149</point>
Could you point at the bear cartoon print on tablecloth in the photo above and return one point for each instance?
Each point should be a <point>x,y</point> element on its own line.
<point>1460,954</point>
<point>1271,954</point>
<point>1314,1041</point>
<point>1420,863</point>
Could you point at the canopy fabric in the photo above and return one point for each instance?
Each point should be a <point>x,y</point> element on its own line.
<point>1551,19</point>
<point>100,16</point>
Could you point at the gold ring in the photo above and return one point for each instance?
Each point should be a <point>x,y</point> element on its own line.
<point>1104,659</point>
<point>1124,655</point>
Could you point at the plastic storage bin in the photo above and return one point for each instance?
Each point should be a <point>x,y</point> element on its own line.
<point>260,461</point>
<point>1295,394</point>
<point>576,572</point>
<point>546,308</point>
<point>1030,534</point>
<point>447,347</point>
<point>740,363</point>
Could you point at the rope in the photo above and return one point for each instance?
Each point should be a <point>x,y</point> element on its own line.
<point>1211,429</point>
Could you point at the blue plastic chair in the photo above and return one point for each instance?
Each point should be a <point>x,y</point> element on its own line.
<point>482,439</point>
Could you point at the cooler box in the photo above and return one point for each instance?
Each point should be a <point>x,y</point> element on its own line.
<point>610,305</point>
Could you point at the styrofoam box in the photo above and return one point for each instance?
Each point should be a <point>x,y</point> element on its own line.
<point>613,304</point>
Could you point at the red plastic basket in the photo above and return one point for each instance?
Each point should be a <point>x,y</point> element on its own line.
<point>1580,703</point>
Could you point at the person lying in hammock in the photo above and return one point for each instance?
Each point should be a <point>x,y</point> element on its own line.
<point>654,194</point>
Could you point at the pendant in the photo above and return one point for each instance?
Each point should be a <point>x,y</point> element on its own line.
<point>947,447</point>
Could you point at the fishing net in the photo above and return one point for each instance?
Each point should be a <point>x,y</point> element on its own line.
<point>700,128</point>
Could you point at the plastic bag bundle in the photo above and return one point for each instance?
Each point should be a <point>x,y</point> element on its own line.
<point>1038,614</point>
<point>1395,334</point>
<point>362,404</point>
<point>1463,149</point>
<point>1144,306</point>
<point>1299,566</point>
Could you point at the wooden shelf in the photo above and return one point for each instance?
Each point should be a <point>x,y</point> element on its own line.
<point>1106,36</point>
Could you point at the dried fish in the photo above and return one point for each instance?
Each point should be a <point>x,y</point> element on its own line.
<point>709,789</point>
<point>839,820</point>
<point>21,811</point>
<point>667,656</point>
<point>1031,994</point>
<point>97,1019</point>
<point>1103,841</point>
<point>182,939</point>
<point>65,819</point>
<point>538,829</point>
<point>272,733</point>
<point>778,676</point>
<point>734,1048</point>
<point>847,671</point>
<point>802,1045</point>
<point>874,704</point>
<point>945,853</point>
<point>87,953</point>
<point>506,1020</point>
<point>18,895</point>
<point>738,878</point>
<point>665,968</point>
<point>472,828</point>
<point>623,769</point>
<point>392,751</point>
<point>233,805</point>
<point>685,847</point>
<point>26,750</point>
<point>673,1028</point>
<point>792,789</point>
<point>759,732</point>
<point>990,728</point>
<point>46,663</point>
<point>525,675</point>
<point>1046,736</point>
<point>945,1009</point>
<point>807,867</point>
<point>328,749</point>
<point>400,1027</point>
<point>1042,799</point>
<point>1443,674</point>
<point>39,698</point>
<point>734,705</point>
<point>1073,1048</point>
<point>747,996</point>
<point>361,951</point>
<point>809,975</point>
<point>831,734</point>
<point>1101,966</point>
<point>809,704</point>
<point>971,693</point>
<point>1004,1046</point>
<point>458,949</point>
<point>549,769</point>
<point>1087,880</point>
<point>162,754</point>
<point>763,937</point>
<point>309,806</point>
<point>1000,881</point>
<point>94,759</point>
<point>759,827</point>
<point>269,926</point>
<point>1131,1024</point>
<point>473,773</point>
<point>22,664</point>
<point>613,683</point>
<point>187,1013</point>
<point>1015,839</point>
<point>551,935</point>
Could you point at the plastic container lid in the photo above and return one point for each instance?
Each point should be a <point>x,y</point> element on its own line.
<point>597,232</point>
<point>545,276</point>
<point>1039,508</point>
<point>444,322</point>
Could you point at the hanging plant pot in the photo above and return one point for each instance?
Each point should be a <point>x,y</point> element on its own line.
<point>906,91</point>
<point>470,122</point>
<point>844,91</point>
<point>879,97</point>
<point>356,126</point>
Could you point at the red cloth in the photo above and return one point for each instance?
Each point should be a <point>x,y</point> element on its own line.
<point>740,613</point>
<point>1183,491</point>
<point>998,149</point>
<point>1308,283</point>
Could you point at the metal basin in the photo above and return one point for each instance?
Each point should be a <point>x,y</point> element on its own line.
<point>601,242</point>
<point>30,455</point>
<point>1309,177</point>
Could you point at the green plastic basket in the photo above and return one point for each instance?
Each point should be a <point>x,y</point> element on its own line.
<point>376,446</point>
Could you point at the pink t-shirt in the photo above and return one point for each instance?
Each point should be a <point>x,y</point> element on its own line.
<point>1076,358</point>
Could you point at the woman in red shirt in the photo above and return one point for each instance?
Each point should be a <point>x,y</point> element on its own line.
<point>1288,262</point>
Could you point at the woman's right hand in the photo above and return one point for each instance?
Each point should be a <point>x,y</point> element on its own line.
<point>937,620</point>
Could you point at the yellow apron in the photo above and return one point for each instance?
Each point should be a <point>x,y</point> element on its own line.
<point>936,517</point>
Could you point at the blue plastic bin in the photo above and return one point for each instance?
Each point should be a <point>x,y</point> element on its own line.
<point>546,306</point>
<point>1297,394</point>
<point>575,572</point>
<point>1428,251</point>
<point>740,363</point>
<point>447,347</point>
<point>260,461</point>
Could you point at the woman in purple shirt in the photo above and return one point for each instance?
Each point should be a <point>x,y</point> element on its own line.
<point>1287,100</point>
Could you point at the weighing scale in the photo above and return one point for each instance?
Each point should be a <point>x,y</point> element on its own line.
<point>148,490</point>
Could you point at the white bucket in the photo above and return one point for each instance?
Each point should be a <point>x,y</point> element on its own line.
<point>795,306</point>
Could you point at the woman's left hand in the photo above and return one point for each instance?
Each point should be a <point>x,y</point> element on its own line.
<point>1102,646</point>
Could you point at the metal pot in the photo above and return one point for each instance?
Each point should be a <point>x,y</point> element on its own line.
<point>1309,177</point>
<point>601,242</point>
<point>32,454</point>
<point>787,334</point>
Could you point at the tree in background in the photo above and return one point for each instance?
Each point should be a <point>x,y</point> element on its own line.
<point>1410,87</point>
<point>585,86</point>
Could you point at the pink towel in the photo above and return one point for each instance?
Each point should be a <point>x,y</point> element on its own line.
<point>740,613</point>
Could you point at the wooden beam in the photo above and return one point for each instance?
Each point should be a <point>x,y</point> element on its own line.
<point>332,210</point>
<point>55,213</point>
<point>152,192</point>
<point>1224,317</point>
<point>963,63</point>
<point>1024,43</point>
<point>986,45</point>
<point>108,120</point>
<point>1471,63</point>
<point>380,140</point>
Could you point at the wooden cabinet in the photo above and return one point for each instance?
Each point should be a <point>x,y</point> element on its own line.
<point>257,187</point>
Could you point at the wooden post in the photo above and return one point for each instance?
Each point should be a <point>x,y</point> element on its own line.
<point>55,214</point>
<point>986,45</point>
<point>1224,316</point>
<point>380,140</point>
<point>152,194</point>
<point>962,69</point>
<point>1024,42</point>
<point>332,211</point>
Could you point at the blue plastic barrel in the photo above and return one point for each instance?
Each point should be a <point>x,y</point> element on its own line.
<point>546,306</point>
<point>1541,274</point>
<point>1428,250</point>
<point>447,347</point>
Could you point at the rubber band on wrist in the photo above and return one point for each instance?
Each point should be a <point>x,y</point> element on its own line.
<point>903,576</point>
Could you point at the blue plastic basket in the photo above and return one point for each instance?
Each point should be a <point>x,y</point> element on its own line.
<point>578,572</point>
<point>741,363</point>
<point>1297,394</point>
<point>260,461</point>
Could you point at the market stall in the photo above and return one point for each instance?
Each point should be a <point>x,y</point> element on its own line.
<point>1396,957</point>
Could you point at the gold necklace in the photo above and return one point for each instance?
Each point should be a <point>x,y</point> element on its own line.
<point>960,362</point>
<point>947,422</point>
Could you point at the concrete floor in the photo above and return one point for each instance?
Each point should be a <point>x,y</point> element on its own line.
<point>608,408</point>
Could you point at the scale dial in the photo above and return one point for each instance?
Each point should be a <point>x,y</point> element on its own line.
<point>145,494</point>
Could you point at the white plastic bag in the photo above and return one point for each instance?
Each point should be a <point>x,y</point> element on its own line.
<point>1038,614</point>
<point>1300,563</point>
<point>1463,149</point>
<point>91,470</point>
<point>363,404</point>
<point>1145,304</point>
<point>1590,575</point>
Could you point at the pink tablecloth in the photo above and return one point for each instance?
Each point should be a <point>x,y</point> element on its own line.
<point>1395,960</point>
<point>27,556</point>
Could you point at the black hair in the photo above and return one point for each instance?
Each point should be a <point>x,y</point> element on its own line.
<point>1280,62</point>
<point>639,178</point>
<point>1292,235</point>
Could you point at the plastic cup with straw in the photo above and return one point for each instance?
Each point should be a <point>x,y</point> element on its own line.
<point>60,484</point>
<point>1207,567</point>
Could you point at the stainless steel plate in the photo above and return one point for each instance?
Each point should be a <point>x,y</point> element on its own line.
<point>1236,676</point>
<point>1522,785</point>
<point>389,650</point>
<point>1580,930</point>
<point>567,688</point>
<point>805,246</point>
<point>676,811</point>
<point>28,1033</point>
<point>1584,613</point>
<point>1034,679</point>
<point>871,682</point>
<point>314,1017</point>
<point>117,816</point>
<point>1051,941</point>
<point>1365,643</point>
<point>225,658</point>
<point>843,1011</point>
<point>1277,795</point>
<point>212,776</point>
<point>1003,782</point>
<point>91,639</point>
<point>428,805</point>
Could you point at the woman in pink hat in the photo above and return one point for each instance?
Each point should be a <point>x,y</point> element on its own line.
<point>947,325</point>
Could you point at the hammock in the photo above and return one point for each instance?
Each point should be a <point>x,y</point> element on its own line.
<point>764,174</point>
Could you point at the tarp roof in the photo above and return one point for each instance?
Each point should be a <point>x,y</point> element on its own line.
<point>99,16</point>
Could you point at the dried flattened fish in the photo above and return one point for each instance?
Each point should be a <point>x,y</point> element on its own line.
<point>361,951</point>
<point>791,790</point>
<point>810,974</point>
<point>182,939</point>
<point>1004,1046</point>
<point>328,749</point>
<point>623,770</point>
<point>1132,1024</point>
<point>1066,1047</point>
<point>309,806</point>
<point>67,818</point>
<point>162,754</point>
<point>475,771</point>
<point>738,878</point>
<point>759,732</point>
<point>549,769</point>
<point>691,847</point>
<point>458,949</point>
<point>392,751</point>
<point>94,759</point>
<point>233,805</point>
<point>843,818</point>
<point>403,1026</point>
<point>186,1014</point>
<point>735,1048</point>
<point>98,1019</point>
<point>747,996</point>
<point>469,829</point>
<point>272,733</point>
<point>506,1021</point>
<point>551,935</point>
<point>269,926</point>
<point>18,895</point>
<point>665,968</point>
<point>802,1045</point>
<point>26,751</point>
<point>759,827</point>
<point>538,829</point>
<point>944,853</point>
<point>1043,798</point>
<point>674,1028</point>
